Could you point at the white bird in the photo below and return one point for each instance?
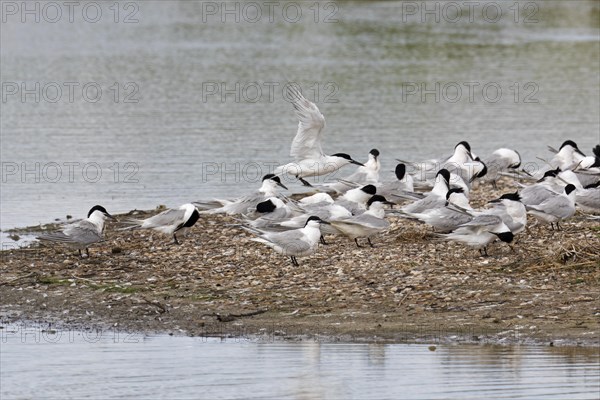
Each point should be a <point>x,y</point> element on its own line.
<point>269,188</point>
<point>168,222</point>
<point>294,243</point>
<point>501,160</point>
<point>588,199</point>
<point>306,146</point>
<point>269,212</point>
<point>480,232</point>
<point>511,210</point>
<point>434,199</point>
<point>427,170</point>
<point>541,190</point>
<point>568,155</point>
<point>555,208</point>
<point>367,224</point>
<point>355,200</point>
<point>82,234</point>
<point>448,218</point>
<point>403,183</point>
<point>367,174</point>
<point>588,170</point>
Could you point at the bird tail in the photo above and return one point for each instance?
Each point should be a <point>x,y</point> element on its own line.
<point>55,237</point>
<point>130,224</point>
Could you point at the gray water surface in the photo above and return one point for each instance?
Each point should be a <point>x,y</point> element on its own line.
<point>114,365</point>
<point>160,139</point>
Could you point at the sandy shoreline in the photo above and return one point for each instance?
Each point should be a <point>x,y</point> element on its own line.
<point>409,288</point>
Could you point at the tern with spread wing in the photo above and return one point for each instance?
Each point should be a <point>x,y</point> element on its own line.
<point>306,146</point>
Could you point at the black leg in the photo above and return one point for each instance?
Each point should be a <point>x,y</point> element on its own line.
<point>356,241</point>
<point>323,242</point>
<point>552,225</point>
<point>485,251</point>
<point>494,185</point>
<point>294,261</point>
<point>87,251</point>
<point>80,254</point>
<point>558,226</point>
<point>304,182</point>
<point>175,241</point>
<point>370,244</point>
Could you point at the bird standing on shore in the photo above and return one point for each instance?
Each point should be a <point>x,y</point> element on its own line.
<point>367,224</point>
<point>82,234</point>
<point>242,205</point>
<point>295,243</point>
<point>168,222</point>
<point>555,208</point>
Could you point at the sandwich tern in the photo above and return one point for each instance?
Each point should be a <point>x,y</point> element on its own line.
<point>269,188</point>
<point>82,234</point>
<point>294,243</point>
<point>501,160</point>
<point>168,222</point>
<point>588,198</point>
<point>555,208</point>
<point>434,199</point>
<point>367,174</point>
<point>403,183</point>
<point>367,224</point>
<point>480,232</point>
<point>306,146</point>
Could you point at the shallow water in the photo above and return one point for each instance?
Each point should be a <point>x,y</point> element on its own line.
<point>112,364</point>
<point>160,137</point>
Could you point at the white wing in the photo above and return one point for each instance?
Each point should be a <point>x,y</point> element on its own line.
<point>307,142</point>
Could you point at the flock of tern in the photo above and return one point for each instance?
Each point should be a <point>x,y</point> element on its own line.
<point>435,192</point>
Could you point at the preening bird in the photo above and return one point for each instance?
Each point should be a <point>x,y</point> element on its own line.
<point>168,222</point>
<point>294,243</point>
<point>269,188</point>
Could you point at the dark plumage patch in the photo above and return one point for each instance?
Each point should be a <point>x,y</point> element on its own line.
<point>266,207</point>
<point>400,171</point>
<point>369,189</point>
<point>97,208</point>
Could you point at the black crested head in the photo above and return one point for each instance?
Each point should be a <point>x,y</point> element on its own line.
<point>342,155</point>
<point>375,198</point>
<point>593,185</point>
<point>313,218</point>
<point>374,152</point>
<point>454,190</point>
<point>506,237</point>
<point>270,176</point>
<point>568,143</point>
<point>511,196</point>
<point>266,206</point>
<point>596,151</point>
<point>553,173</point>
<point>569,188</point>
<point>518,164</point>
<point>98,208</point>
<point>192,219</point>
<point>465,144</point>
<point>483,172</point>
<point>369,189</point>
<point>445,173</point>
<point>400,171</point>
